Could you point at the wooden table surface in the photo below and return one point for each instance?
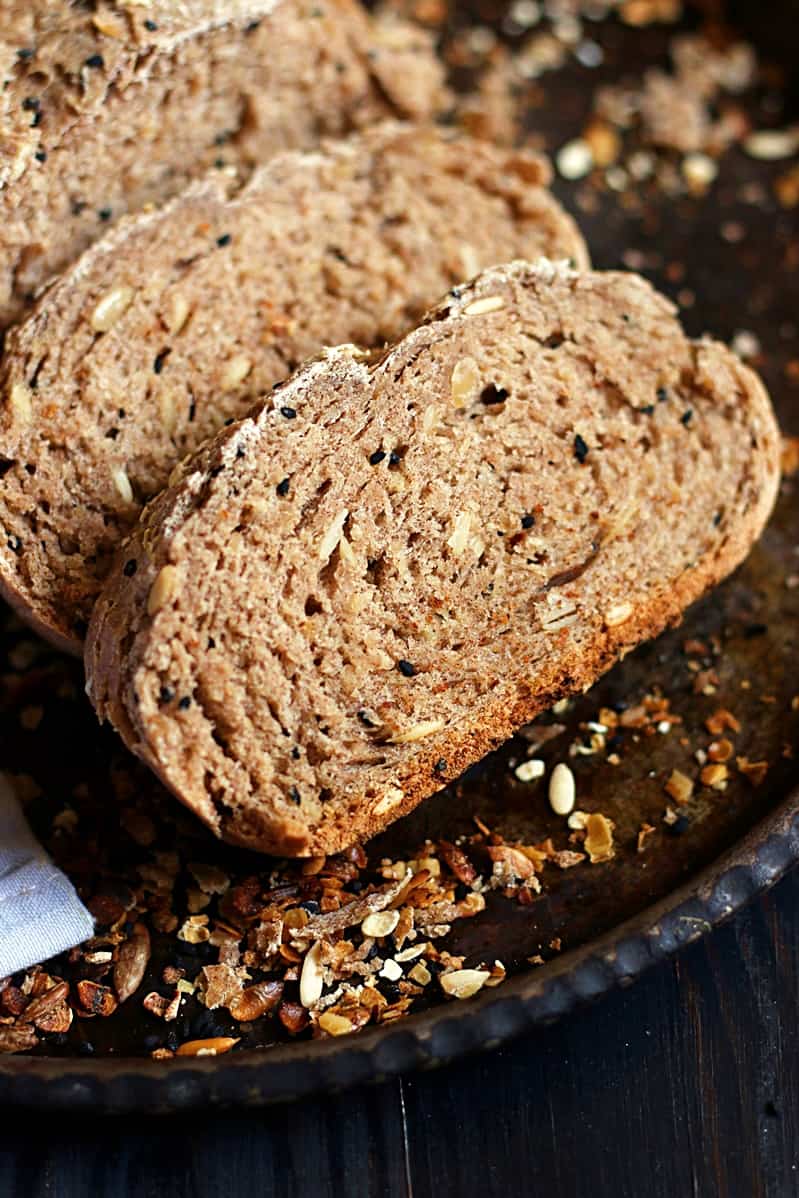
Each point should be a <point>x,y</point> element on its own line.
<point>684,1086</point>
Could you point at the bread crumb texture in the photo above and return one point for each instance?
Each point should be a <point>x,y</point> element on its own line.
<point>436,571</point>
<point>179,319</point>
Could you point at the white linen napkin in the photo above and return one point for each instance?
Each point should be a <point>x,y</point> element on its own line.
<point>40,912</point>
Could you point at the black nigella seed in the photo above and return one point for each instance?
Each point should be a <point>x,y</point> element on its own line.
<point>151,26</point>
<point>37,120</point>
<point>405,668</point>
<point>282,487</point>
<point>753,630</point>
<point>185,703</point>
<point>493,394</point>
<point>377,457</point>
<point>105,214</point>
<point>717,519</point>
<point>662,394</point>
<point>311,906</point>
<point>680,825</point>
<point>224,240</point>
<point>40,155</point>
<point>289,413</point>
<point>461,892</point>
<point>295,753</point>
<point>648,410</point>
<point>294,795</point>
<point>31,104</point>
<point>394,458</point>
<point>96,61</point>
<point>158,364</point>
<point>166,694</point>
<point>440,766</point>
<point>25,53</point>
<point>15,544</point>
<point>366,719</point>
<point>687,417</point>
<point>130,567</point>
<point>528,521</point>
<point>580,449</point>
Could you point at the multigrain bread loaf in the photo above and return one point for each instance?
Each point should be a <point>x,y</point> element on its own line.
<point>178,320</point>
<point>391,564</point>
<point>108,106</point>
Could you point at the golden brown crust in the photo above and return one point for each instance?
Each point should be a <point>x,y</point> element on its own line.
<point>131,644</point>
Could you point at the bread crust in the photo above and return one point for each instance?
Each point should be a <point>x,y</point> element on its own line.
<point>122,634</point>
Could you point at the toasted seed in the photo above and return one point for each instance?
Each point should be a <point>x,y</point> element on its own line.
<point>417,732</point>
<point>562,790</point>
<point>119,477</point>
<point>256,1001</point>
<point>380,923</point>
<point>312,977</point>
<point>528,771</point>
<point>464,382</point>
<point>41,1005</point>
<point>420,973</point>
<point>133,958</point>
<point>599,838</point>
<point>463,983</point>
<point>479,307</point>
<point>679,786</point>
<point>163,589</point>
<point>619,614</point>
<point>714,776</point>
<point>207,1048</point>
<point>235,372</point>
<point>769,145</point>
<point>335,1025</point>
<point>19,400</point>
<point>108,310</point>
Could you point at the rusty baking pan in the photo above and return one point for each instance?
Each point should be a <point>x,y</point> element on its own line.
<point>713,223</point>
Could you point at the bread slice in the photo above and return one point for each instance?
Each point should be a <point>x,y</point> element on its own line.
<point>392,564</point>
<point>180,319</point>
<point>109,107</point>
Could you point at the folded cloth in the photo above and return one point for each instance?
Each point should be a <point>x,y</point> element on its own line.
<point>40,913</point>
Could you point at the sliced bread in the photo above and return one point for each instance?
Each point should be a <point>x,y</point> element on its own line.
<point>391,564</point>
<point>179,319</point>
<point>107,107</point>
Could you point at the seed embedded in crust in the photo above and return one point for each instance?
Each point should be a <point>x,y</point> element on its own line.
<point>618,614</point>
<point>380,923</point>
<point>463,983</point>
<point>119,477</point>
<point>207,1048</point>
<point>108,310</point>
<point>235,372</point>
<point>488,303</point>
<point>464,382</point>
<point>417,732</point>
<point>562,790</point>
<point>163,589</point>
<point>390,799</point>
<point>333,535</point>
<point>20,403</point>
<point>177,314</point>
<point>312,977</point>
<point>459,539</point>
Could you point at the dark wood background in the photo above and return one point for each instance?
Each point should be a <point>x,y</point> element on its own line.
<point>684,1086</point>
